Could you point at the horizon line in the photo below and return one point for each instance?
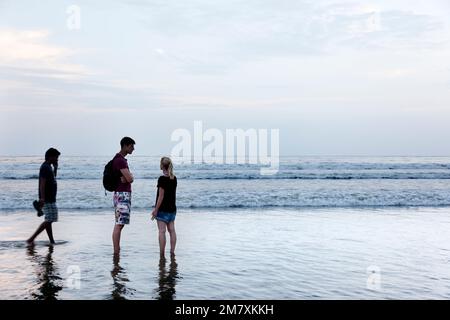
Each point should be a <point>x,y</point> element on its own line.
<point>295,155</point>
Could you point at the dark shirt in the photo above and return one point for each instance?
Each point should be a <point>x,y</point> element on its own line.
<point>170,188</point>
<point>119,163</point>
<point>46,172</point>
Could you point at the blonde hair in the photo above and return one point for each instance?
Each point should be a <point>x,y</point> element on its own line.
<point>166,164</point>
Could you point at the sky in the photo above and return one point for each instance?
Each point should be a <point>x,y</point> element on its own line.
<point>335,77</point>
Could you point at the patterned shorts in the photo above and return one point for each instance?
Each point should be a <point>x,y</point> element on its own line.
<point>122,207</point>
<point>50,212</point>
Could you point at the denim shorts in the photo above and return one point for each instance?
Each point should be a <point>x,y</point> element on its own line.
<point>166,216</point>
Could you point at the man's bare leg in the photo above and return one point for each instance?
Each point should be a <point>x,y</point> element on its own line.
<point>41,228</point>
<point>50,233</point>
<point>116,238</point>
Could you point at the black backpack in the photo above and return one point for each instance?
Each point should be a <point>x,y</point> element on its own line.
<point>111,178</point>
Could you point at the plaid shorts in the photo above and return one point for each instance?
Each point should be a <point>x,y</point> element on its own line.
<point>50,212</point>
<point>122,207</point>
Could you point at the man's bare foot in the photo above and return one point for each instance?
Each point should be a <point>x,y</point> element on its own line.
<point>30,242</point>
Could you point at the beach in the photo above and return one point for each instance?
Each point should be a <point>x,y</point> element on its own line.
<point>334,253</point>
<point>321,228</point>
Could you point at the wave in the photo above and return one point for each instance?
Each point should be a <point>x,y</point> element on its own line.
<point>34,177</point>
<point>299,168</point>
<point>441,175</point>
<point>246,207</point>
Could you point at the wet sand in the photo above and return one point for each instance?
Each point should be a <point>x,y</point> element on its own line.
<point>233,254</point>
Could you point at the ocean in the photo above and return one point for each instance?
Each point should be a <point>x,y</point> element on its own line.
<point>301,182</point>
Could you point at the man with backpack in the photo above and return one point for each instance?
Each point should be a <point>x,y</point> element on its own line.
<point>118,178</point>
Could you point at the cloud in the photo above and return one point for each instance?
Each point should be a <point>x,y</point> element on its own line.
<point>33,88</point>
<point>31,49</point>
<point>37,74</point>
<point>395,73</point>
<point>201,37</point>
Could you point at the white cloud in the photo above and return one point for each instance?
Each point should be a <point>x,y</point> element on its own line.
<point>28,45</point>
<point>395,73</point>
<point>31,49</point>
<point>160,51</point>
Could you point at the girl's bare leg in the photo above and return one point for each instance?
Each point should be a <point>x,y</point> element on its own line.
<point>173,236</point>
<point>162,237</point>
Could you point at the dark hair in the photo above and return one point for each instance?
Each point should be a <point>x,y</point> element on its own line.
<point>52,152</point>
<point>126,141</point>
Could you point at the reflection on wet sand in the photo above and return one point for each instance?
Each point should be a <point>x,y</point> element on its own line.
<point>120,279</point>
<point>49,283</point>
<point>167,279</point>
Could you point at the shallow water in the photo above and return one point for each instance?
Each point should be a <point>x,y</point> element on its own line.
<point>233,254</point>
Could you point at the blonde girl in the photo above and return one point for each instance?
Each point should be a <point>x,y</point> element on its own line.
<point>165,206</point>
